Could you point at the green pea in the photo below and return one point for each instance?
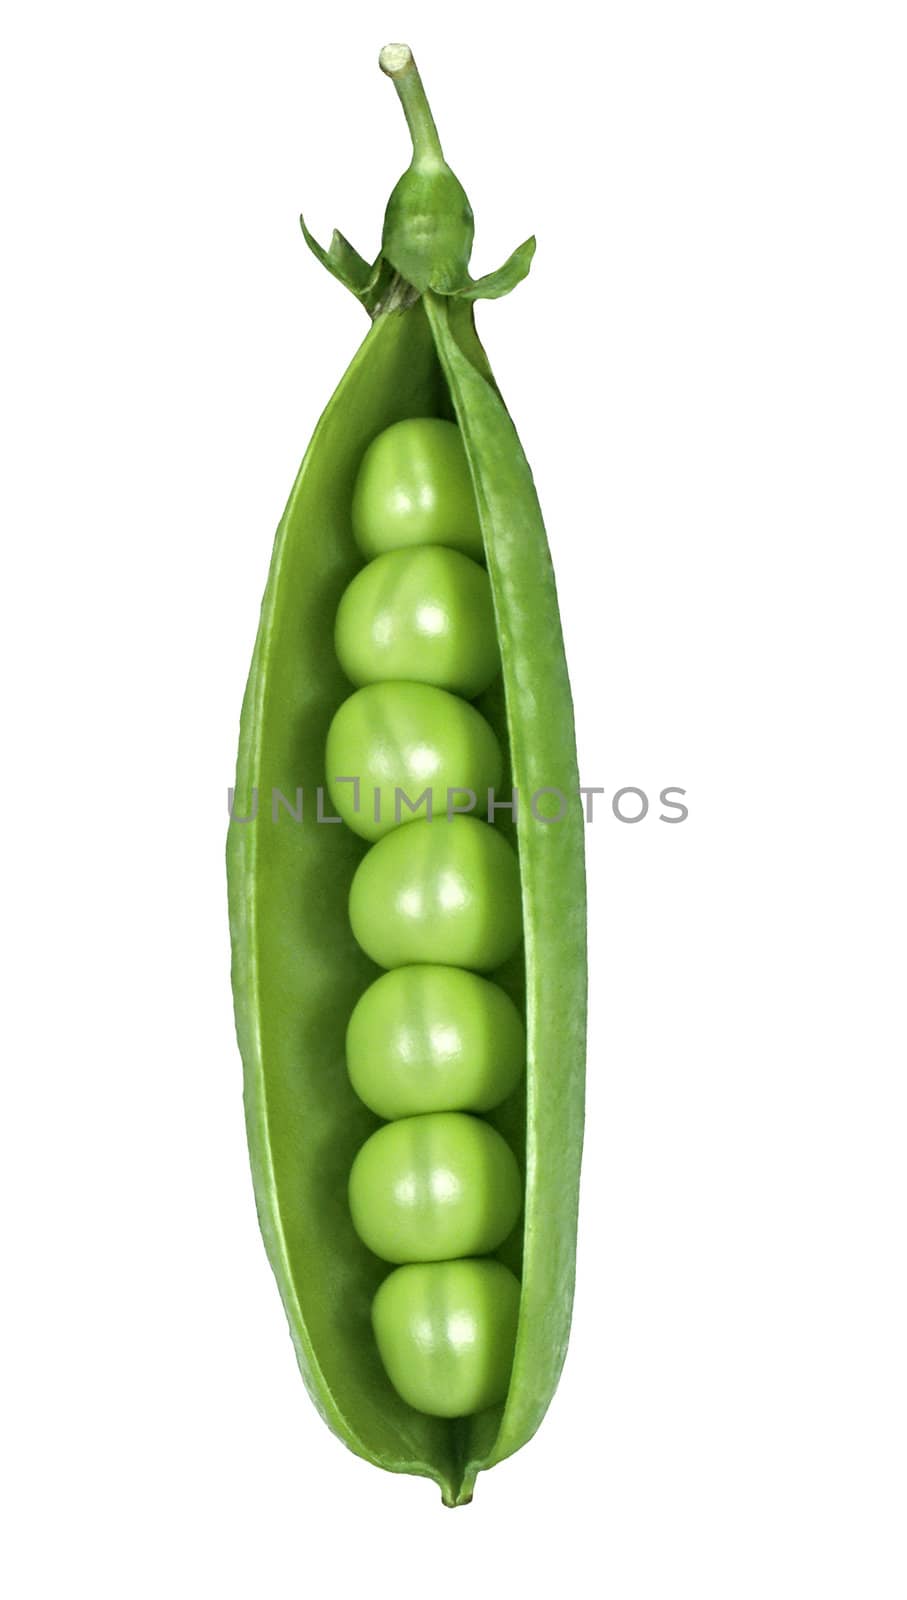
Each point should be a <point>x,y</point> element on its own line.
<point>438,892</point>
<point>437,902</point>
<point>425,615</point>
<point>414,487</point>
<point>446,1333</point>
<point>434,1039</point>
<point>412,738</point>
<point>435,1187</point>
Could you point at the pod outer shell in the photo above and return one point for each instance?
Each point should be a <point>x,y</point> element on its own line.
<point>542,744</point>
<point>297,971</point>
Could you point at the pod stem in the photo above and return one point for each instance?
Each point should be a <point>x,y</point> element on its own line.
<point>397,61</point>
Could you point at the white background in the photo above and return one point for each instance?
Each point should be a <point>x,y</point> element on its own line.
<point>707,369</point>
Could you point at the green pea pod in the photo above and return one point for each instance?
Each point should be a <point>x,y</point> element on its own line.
<point>297,970</point>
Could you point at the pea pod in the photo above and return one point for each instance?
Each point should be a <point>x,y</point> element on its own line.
<point>298,971</point>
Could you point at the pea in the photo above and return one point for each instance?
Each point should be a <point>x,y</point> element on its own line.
<point>424,614</point>
<point>445,893</point>
<point>411,738</point>
<point>414,487</point>
<point>434,1039</point>
<point>415,465</point>
<point>434,1187</point>
<point>446,1333</point>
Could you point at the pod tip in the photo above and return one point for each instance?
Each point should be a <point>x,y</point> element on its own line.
<point>394,59</point>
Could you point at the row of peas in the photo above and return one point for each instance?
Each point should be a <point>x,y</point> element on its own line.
<point>436,901</point>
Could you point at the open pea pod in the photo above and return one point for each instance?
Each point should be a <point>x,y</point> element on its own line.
<point>297,970</point>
